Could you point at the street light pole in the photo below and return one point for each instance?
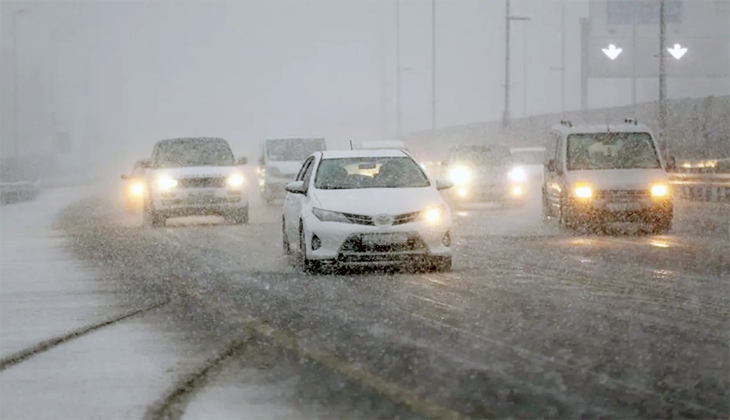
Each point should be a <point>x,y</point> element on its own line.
<point>507,21</point>
<point>662,71</point>
<point>397,70</point>
<point>562,56</point>
<point>383,72</point>
<point>433,64</point>
<point>15,81</point>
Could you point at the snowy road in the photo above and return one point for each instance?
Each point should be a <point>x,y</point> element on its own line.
<point>532,322</point>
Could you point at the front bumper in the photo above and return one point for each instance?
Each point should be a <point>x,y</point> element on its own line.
<point>633,211</point>
<point>348,243</point>
<point>200,201</point>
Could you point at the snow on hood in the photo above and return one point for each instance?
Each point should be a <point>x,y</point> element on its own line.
<point>198,171</point>
<point>619,179</point>
<point>373,201</point>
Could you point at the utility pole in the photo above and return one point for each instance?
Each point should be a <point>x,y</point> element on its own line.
<point>662,71</point>
<point>507,22</point>
<point>397,69</point>
<point>383,71</point>
<point>433,64</point>
<point>585,31</point>
<point>562,56</point>
<point>16,146</point>
<point>633,59</point>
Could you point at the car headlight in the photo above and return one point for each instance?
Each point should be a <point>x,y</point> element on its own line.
<point>136,188</point>
<point>433,216</point>
<point>330,216</point>
<point>166,183</point>
<point>235,180</point>
<point>583,190</point>
<point>460,175</point>
<point>517,174</point>
<point>659,190</point>
<point>516,190</point>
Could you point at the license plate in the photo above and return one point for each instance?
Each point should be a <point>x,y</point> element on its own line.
<point>202,195</point>
<point>385,239</point>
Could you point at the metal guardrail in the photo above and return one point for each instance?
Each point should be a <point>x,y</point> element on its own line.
<point>702,187</point>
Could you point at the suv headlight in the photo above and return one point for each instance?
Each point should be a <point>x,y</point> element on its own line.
<point>165,182</point>
<point>517,174</point>
<point>235,180</point>
<point>433,216</point>
<point>460,175</point>
<point>330,216</point>
<point>583,190</point>
<point>659,190</point>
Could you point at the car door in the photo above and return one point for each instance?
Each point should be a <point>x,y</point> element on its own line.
<point>553,184</point>
<point>293,202</point>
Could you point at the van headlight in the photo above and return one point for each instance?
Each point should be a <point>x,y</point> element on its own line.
<point>166,182</point>
<point>235,180</point>
<point>433,216</point>
<point>136,189</point>
<point>460,175</point>
<point>659,190</point>
<point>517,174</point>
<point>583,190</point>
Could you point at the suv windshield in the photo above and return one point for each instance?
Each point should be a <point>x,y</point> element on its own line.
<point>293,150</point>
<point>528,157</point>
<point>482,156</point>
<point>193,152</point>
<point>369,172</point>
<point>611,151</point>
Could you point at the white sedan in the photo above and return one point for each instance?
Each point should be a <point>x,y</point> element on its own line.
<point>366,207</point>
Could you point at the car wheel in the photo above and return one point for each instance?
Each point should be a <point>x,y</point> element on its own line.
<point>307,265</point>
<point>151,218</point>
<point>441,264</point>
<point>284,239</point>
<point>239,217</point>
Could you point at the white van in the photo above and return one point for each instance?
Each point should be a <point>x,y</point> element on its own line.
<point>606,173</point>
<point>280,160</point>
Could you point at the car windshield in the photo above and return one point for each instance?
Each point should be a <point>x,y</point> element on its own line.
<point>483,157</point>
<point>293,150</point>
<point>596,151</point>
<point>528,157</point>
<point>369,172</point>
<point>193,152</point>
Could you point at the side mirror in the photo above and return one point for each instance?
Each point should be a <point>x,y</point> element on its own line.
<point>552,165</point>
<point>125,177</point>
<point>672,164</point>
<point>243,160</point>
<point>296,187</point>
<point>443,184</point>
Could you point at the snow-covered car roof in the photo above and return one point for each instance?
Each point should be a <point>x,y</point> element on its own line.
<point>339,154</point>
<point>602,128</point>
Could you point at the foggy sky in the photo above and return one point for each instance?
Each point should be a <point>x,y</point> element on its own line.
<point>120,75</point>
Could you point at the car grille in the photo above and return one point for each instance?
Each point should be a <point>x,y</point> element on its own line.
<point>397,220</point>
<point>206,182</point>
<point>622,195</point>
<point>354,245</point>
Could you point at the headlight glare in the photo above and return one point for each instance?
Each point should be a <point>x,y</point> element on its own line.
<point>659,190</point>
<point>330,216</point>
<point>583,190</point>
<point>235,180</point>
<point>517,174</point>
<point>433,216</point>
<point>166,183</point>
<point>460,175</point>
<point>136,188</point>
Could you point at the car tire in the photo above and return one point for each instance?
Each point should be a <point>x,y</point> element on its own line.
<point>441,264</point>
<point>284,239</point>
<point>308,266</point>
<point>239,217</point>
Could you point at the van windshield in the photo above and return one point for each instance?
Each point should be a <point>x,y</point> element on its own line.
<point>594,151</point>
<point>293,150</point>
